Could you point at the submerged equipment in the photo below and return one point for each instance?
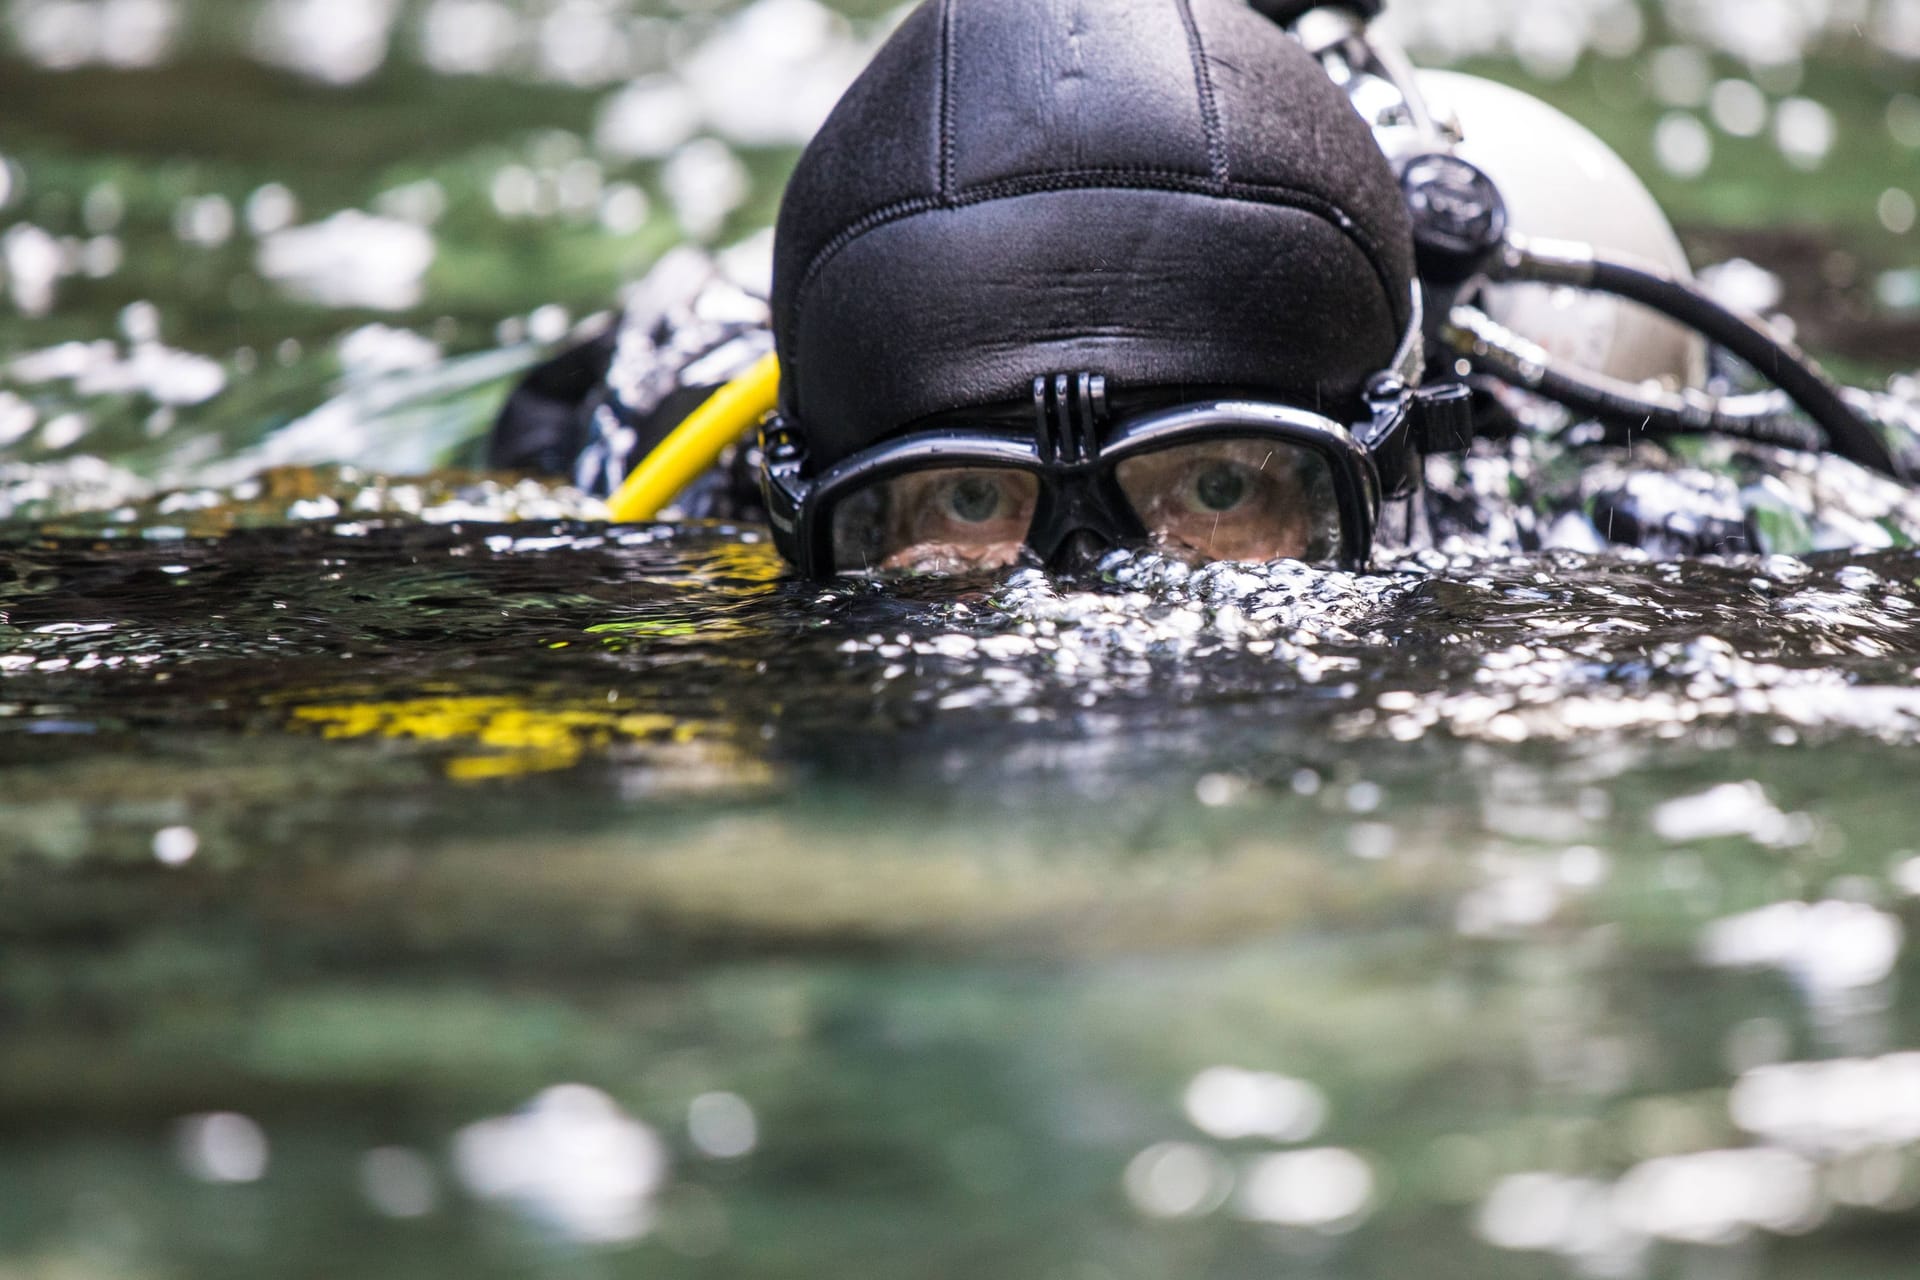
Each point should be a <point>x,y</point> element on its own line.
<point>1033,271</point>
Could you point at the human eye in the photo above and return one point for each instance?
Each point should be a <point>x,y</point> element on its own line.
<point>1223,500</point>
<point>973,499</point>
<point>949,519</point>
<point>1219,486</point>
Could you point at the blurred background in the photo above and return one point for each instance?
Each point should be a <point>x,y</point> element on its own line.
<point>218,216</point>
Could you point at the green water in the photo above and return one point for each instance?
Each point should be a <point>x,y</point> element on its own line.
<point>892,931</point>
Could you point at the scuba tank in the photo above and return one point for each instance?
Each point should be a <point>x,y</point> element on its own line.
<point>1543,261</point>
<point>1562,183</point>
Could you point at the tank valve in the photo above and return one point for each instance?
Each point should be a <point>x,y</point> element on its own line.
<point>1459,218</point>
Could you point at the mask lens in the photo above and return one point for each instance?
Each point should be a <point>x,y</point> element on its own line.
<point>1246,499</point>
<point>944,520</point>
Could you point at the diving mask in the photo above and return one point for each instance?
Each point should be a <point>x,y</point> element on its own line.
<point>1228,478</point>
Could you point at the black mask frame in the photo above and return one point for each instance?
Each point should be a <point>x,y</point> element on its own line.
<point>1081,511</point>
<point>1075,449</point>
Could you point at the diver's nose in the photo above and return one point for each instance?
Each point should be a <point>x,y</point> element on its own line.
<point>1081,550</point>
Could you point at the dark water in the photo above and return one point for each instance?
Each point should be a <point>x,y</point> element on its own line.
<point>1218,924</point>
<point>410,877</point>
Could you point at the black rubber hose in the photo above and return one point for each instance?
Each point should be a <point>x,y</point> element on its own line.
<point>1848,434</point>
<point>1766,426</point>
<point>1288,12</point>
<point>1501,354</point>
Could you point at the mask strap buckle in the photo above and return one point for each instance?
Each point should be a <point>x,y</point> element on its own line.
<point>1410,423</point>
<point>1069,409</point>
<point>783,464</point>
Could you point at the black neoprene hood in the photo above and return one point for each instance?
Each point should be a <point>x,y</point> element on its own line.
<point>1167,192</point>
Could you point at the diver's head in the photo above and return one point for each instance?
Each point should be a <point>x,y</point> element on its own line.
<point>1067,273</point>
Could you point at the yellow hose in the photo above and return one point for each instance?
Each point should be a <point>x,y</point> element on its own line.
<point>697,443</point>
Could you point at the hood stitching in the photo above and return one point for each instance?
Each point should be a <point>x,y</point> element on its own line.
<point>1209,103</point>
<point>946,101</point>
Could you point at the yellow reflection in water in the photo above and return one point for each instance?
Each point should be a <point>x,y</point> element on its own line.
<point>522,738</point>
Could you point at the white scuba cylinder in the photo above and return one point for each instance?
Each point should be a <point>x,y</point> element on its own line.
<point>1561,182</point>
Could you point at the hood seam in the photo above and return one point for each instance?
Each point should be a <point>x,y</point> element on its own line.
<point>1203,85</point>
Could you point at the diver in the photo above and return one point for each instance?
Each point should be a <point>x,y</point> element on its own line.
<point>1224,280</point>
